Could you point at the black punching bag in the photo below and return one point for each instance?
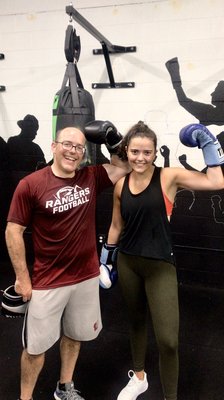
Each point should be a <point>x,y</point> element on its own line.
<point>73,105</point>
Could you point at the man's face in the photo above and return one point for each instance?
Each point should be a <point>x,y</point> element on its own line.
<point>68,150</point>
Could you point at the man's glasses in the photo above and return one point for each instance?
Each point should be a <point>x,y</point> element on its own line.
<point>69,146</point>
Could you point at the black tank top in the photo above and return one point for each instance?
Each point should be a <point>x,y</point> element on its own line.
<point>146,230</point>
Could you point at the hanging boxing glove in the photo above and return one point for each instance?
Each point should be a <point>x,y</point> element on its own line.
<point>103,132</point>
<point>197,135</point>
<point>108,267</point>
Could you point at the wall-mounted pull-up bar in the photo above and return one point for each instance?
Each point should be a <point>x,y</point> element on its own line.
<point>107,49</point>
<point>2,88</point>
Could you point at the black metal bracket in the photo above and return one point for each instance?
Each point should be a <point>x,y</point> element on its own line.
<point>2,88</point>
<point>107,49</point>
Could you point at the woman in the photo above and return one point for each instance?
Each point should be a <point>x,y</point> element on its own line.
<point>143,202</point>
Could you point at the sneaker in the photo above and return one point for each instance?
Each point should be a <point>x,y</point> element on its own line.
<point>134,387</point>
<point>69,394</point>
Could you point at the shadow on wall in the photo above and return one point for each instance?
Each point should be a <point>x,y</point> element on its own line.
<point>19,156</point>
<point>207,114</point>
<point>198,217</point>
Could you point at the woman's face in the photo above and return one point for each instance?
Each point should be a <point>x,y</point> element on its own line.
<point>141,153</point>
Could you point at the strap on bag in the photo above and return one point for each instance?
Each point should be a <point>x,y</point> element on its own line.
<point>70,76</point>
<point>78,77</point>
<point>72,49</point>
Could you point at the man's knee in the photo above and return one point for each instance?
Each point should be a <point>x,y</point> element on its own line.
<point>32,358</point>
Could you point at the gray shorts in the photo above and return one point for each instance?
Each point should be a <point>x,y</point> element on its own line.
<point>73,310</point>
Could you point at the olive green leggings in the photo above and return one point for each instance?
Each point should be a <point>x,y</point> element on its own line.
<point>152,284</point>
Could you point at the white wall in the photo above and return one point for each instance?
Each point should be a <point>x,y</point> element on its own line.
<point>32,39</point>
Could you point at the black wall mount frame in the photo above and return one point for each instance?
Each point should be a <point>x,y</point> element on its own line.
<point>107,49</point>
<point>2,88</point>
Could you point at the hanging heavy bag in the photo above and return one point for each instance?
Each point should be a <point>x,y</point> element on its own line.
<point>73,105</point>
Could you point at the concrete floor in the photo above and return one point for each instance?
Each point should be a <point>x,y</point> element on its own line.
<point>103,364</point>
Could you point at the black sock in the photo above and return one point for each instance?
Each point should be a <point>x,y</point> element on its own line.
<point>61,386</point>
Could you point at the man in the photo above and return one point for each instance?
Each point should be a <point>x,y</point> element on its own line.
<point>59,202</point>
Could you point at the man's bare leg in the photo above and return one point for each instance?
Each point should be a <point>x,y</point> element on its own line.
<point>69,350</point>
<point>31,365</point>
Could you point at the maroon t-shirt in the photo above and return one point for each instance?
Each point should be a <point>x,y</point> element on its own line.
<point>61,213</point>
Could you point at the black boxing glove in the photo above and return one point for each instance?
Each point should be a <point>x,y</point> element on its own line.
<point>103,132</point>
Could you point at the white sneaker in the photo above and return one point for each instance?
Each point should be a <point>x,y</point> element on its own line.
<point>134,387</point>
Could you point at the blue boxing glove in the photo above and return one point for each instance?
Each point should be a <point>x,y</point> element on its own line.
<point>197,135</point>
<point>108,267</point>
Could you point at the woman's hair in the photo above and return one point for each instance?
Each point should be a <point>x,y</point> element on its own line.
<point>138,130</point>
